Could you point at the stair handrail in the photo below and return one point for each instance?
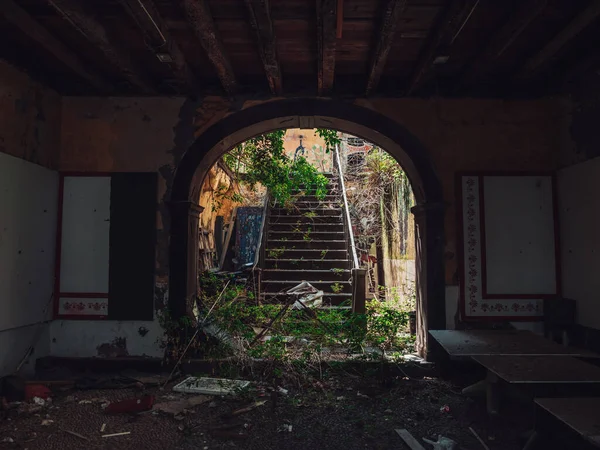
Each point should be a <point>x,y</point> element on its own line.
<point>347,211</point>
<point>260,251</point>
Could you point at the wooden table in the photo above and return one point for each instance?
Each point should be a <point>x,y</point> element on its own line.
<point>578,418</point>
<point>469,343</point>
<point>540,369</point>
<point>539,376</point>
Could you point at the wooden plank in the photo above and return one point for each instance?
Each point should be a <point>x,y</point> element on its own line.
<point>199,17</point>
<point>37,33</point>
<point>157,35</point>
<point>326,24</point>
<point>259,12</point>
<point>468,343</point>
<point>538,61</point>
<point>554,369</point>
<point>579,414</point>
<point>409,439</point>
<point>450,23</point>
<point>389,24</point>
<point>506,36</point>
<point>95,32</point>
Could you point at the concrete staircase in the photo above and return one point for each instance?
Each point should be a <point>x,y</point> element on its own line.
<point>308,243</point>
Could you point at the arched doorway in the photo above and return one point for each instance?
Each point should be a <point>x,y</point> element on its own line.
<point>312,113</point>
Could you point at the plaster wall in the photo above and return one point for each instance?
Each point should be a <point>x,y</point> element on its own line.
<point>147,134</point>
<point>29,148</point>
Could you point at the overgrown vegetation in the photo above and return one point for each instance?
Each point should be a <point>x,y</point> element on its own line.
<point>263,161</point>
<point>296,340</point>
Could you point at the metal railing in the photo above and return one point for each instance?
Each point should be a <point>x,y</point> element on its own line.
<point>359,284</point>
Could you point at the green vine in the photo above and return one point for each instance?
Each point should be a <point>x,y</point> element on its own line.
<point>330,137</point>
<point>262,160</point>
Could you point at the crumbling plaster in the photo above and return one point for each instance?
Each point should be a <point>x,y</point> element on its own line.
<point>141,134</point>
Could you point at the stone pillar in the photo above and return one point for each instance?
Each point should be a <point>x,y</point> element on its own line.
<point>183,248</point>
<point>430,278</point>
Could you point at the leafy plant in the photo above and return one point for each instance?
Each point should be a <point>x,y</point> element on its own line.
<point>262,160</point>
<point>336,288</point>
<point>324,254</point>
<point>275,253</point>
<point>330,137</point>
<point>337,270</point>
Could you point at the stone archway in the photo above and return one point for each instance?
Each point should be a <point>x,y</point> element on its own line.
<point>312,113</point>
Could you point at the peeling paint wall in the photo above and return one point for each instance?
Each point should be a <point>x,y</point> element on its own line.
<point>29,149</point>
<point>147,134</point>
<point>30,117</point>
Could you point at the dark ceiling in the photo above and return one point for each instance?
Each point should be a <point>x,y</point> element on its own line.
<point>301,47</point>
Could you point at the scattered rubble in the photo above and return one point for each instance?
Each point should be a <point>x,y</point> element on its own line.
<point>177,407</point>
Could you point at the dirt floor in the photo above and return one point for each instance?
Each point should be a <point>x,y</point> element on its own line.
<point>344,410</point>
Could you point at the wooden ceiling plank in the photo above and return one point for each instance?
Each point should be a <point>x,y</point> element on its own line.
<point>526,13</point>
<point>37,33</point>
<point>259,13</point>
<point>451,21</point>
<point>389,24</point>
<point>534,64</point>
<point>95,32</point>
<point>151,23</point>
<point>326,40</point>
<point>200,19</point>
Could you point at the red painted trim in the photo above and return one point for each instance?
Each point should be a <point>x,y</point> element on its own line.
<point>482,237</point>
<point>461,246</point>
<point>83,295</point>
<point>61,190</point>
<point>557,247</point>
<point>461,253</point>
<point>86,174</point>
<point>57,263</point>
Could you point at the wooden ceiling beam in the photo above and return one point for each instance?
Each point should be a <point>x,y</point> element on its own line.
<point>37,33</point>
<point>95,32</point>
<point>389,24</point>
<point>326,40</point>
<point>200,19</point>
<point>145,14</point>
<point>259,12</point>
<point>542,58</point>
<point>526,13</point>
<point>449,25</point>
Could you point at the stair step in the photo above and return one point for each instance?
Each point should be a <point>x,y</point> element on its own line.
<point>304,227</point>
<point>296,254</point>
<point>302,244</point>
<point>307,264</point>
<point>314,235</point>
<point>306,211</point>
<point>316,204</point>
<point>325,286</point>
<point>325,276</point>
<point>304,219</point>
<point>314,198</point>
<point>329,299</point>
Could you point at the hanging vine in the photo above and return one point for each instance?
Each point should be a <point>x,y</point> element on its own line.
<point>262,160</point>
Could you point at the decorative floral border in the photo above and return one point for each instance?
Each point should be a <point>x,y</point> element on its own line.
<point>475,305</point>
<point>83,307</point>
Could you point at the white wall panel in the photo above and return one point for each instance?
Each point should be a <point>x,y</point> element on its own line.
<point>29,199</point>
<point>85,235</point>
<point>579,208</point>
<point>519,235</point>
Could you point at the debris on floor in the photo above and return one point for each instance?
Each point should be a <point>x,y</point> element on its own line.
<point>130,405</point>
<point>177,407</point>
<point>211,386</point>
<point>442,443</point>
